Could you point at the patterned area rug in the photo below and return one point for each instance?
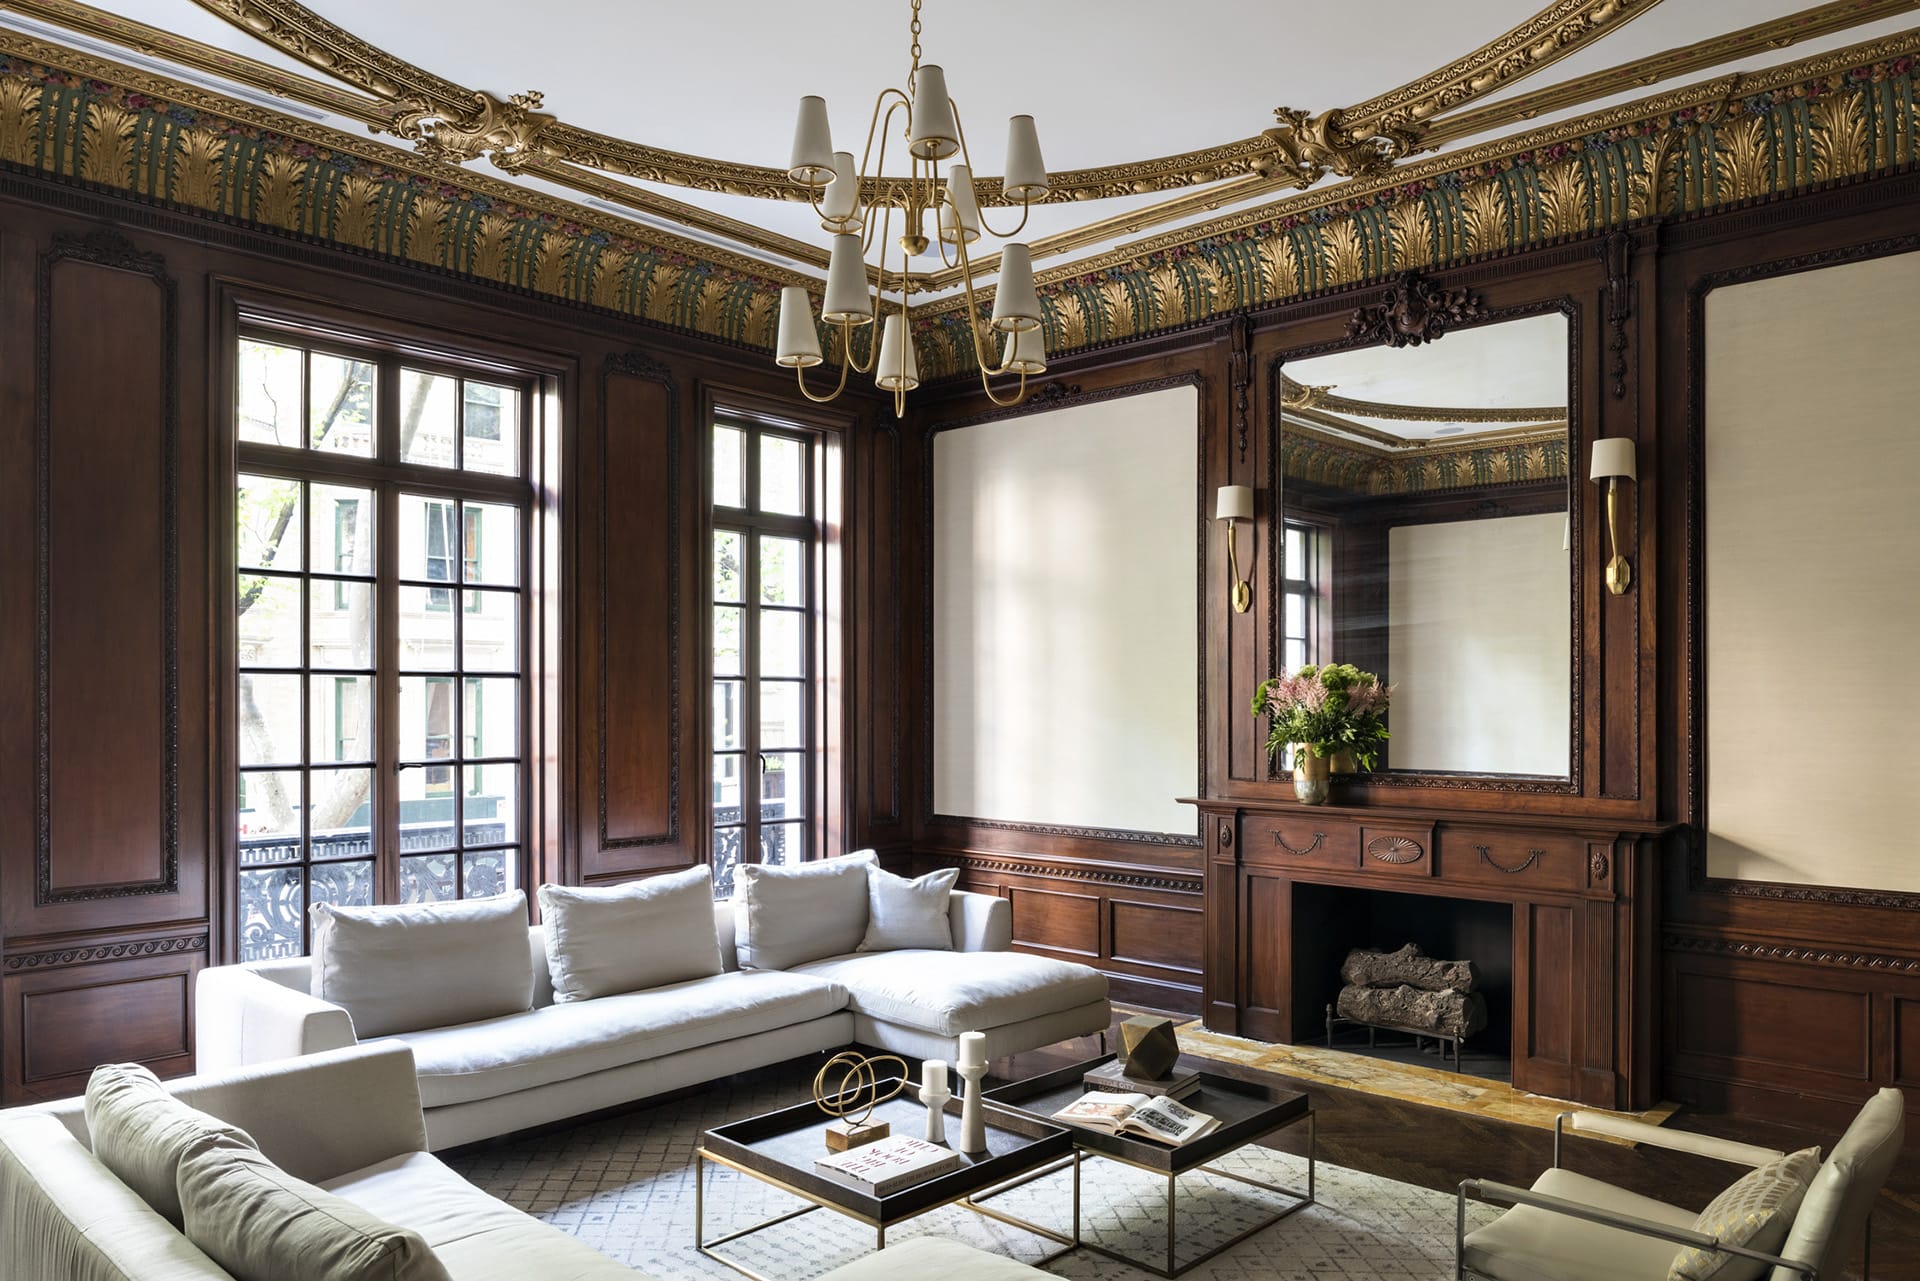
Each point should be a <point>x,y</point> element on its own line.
<point>625,1186</point>
<point>1407,1082</point>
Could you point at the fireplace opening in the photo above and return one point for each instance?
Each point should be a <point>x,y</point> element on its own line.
<point>1329,921</point>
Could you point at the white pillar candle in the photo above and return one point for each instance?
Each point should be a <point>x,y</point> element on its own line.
<point>973,1049</point>
<point>933,1075</point>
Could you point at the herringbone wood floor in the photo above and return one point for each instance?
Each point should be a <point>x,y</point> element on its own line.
<point>1434,1148</point>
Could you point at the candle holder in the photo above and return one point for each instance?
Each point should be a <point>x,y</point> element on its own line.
<point>936,1101</point>
<point>973,1121</point>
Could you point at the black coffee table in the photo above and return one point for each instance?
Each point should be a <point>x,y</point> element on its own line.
<point>1248,1110</point>
<point>779,1149</point>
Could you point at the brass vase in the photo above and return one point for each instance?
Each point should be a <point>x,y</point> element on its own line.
<point>1343,762</point>
<point>1312,777</point>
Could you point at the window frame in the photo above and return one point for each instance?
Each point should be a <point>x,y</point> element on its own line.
<point>388,478</point>
<point>1313,588</point>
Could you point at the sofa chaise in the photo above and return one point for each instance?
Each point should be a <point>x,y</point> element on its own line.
<point>807,990</point>
<point>350,1122</point>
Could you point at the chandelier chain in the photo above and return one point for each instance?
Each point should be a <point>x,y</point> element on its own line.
<point>914,28</point>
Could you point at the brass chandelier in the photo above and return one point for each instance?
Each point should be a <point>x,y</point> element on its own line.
<point>933,133</point>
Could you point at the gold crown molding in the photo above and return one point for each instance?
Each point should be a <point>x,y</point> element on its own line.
<point>1295,395</point>
<point>1551,426</point>
<point>157,43</point>
<point>1562,28</point>
<point>384,155</point>
<point>297,30</point>
<point>1764,37</point>
<point>1710,94</point>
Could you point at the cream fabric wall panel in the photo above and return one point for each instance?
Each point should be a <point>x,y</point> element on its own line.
<point>1812,592</point>
<point>1065,665</point>
<point>1479,646</point>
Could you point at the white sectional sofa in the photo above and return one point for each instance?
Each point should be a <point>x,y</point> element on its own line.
<point>350,1122</point>
<point>555,1059</point>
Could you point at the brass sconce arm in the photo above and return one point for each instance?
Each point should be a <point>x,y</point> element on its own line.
<point>1613,462</point>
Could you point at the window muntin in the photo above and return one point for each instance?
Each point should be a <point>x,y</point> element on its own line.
<point>1302,603</point>
<point>764,595</point>
<point>381,742</point>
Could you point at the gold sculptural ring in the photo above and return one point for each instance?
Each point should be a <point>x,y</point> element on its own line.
<point>858,1077</point>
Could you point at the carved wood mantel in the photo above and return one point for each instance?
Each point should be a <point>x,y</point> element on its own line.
<point>1583,894</point>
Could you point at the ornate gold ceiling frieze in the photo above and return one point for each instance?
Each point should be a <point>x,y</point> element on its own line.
<point>1295,395</point>
<point>507,133</point>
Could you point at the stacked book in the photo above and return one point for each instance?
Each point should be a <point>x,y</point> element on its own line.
<point>1113,1079</point>
<point>888,1165</point>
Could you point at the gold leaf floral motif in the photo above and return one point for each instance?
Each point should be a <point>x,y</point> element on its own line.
<point>1742,164</point>
<point>713,297</point>
<point>609,276</point>
<point>1069,312</point>
<point>1121,317</point>
<point>1485,216</point>
<point>1563,199</point>
<point>1643,180</point>
<point>19,109</point>
<point>1839,137</point>
<point>1343,258</point>
<point>109,145</point>
<point>427,229</point>
<point>488,258</point>
<point>757,324</point>
<point>662,285</point>
<point>355,202</point>
<point>196,168</point>
<point>1279,274</point>
<point>1169,294</point>
<point>1410,224</point>
<point>277,200</point>
<point>550,266</point>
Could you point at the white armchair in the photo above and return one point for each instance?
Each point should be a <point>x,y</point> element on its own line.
<point>1581,1229</point>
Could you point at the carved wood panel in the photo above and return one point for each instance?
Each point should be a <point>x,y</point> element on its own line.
<point>68,1019</point>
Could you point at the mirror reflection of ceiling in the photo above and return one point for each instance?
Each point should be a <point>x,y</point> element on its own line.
<point>1116,84</point>
<point>1498,380</point>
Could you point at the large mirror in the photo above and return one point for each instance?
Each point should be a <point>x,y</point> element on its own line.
<point>1425,537</point>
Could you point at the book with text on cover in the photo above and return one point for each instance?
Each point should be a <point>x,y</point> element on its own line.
<point>1162,1120</point>
<point>887,1165</point>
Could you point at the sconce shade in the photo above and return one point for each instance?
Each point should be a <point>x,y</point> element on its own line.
<point>811,164</point>
<point>799,341</point>
<point>898,368</point>
<point>961,211</point>
<point>1612,456</point>
<point>847,299</point>
<point>935,136</point>
<point>1015,304</point>
<point>1026,352</point>
<point>1233,502</point>
<point>840,206</point>
<point>1026,176</point>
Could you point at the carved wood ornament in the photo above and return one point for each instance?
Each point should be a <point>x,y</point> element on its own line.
<point>1414,311</point>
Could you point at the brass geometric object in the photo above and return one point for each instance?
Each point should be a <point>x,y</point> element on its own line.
<point>1147,1046</point>
<point>852,1101</point>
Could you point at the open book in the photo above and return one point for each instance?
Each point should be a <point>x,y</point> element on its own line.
<point>1162,1120</point>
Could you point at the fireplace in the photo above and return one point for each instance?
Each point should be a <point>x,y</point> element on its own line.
<point>1329,921</point>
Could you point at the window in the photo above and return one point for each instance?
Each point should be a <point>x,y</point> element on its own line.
<point>766,620</point>
<point>1304,620</point>
<point>380,732</point>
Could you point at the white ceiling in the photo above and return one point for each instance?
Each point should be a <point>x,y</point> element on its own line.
<point>1120,81</point>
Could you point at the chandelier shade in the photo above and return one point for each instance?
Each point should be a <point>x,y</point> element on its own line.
<point>858,204</point>
<point>899,367</point>
<point>811,164</point>
<point>799,341</point>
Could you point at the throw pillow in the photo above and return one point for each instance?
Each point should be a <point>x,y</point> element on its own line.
<point>787,916</point>
<point>262,1224</point>
<point>1756,1213</point>
<point>905,913</point>
<point>422,965</point>
<point>646,934</point>
<point>140,1132</point>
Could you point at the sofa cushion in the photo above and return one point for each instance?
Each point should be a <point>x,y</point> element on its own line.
<point>560,1042</point>
<point>1755,1212</point>
<point>140,1131</point>
<point>908,913</point>
<point>477,1237</point>
<point>1526,1244</point>
<point>64,1215</point>
<point>262,1224</point>
<point>787,916</point>
<point>420,965</point>
<point>628,937</point>
<point>953,992</point>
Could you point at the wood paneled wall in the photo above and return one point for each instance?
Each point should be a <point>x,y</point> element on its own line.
<point>116,760</point>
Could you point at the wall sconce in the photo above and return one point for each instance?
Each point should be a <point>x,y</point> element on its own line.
<point>1234,504</point>
<point>1613,462</point>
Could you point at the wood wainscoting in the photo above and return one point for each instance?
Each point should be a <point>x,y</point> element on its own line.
<point>1141,925</point>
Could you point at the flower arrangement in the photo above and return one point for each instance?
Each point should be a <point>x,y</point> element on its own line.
<point>1326,710</point>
